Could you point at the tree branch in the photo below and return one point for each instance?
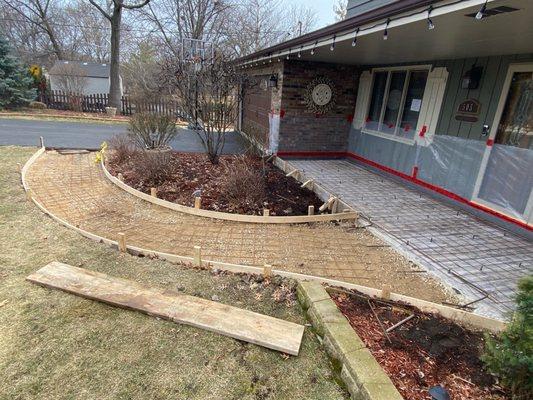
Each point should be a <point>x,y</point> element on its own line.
<point>134,6</point>
<point>104,13</point>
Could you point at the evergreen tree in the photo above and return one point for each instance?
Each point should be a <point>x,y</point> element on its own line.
<point>15,80</point>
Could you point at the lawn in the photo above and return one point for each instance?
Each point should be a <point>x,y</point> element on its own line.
<point>58,346</point>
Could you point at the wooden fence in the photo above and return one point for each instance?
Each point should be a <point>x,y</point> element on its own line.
<point>96,103</point>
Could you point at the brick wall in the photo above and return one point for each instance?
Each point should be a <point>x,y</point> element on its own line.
<point>303,130</point>
<point>259,100</point>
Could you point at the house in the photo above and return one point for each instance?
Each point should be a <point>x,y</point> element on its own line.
<point>80,77</point>
<point>438,93</point>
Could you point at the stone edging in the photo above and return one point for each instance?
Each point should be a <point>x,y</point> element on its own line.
<point>360,372</point>
<point>460,316</point>
<point>256,219</point>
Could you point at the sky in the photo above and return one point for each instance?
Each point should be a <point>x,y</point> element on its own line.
<point>324,9</point>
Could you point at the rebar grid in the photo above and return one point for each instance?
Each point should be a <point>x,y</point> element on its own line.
<point>74,188</point>
<point>477,257</point>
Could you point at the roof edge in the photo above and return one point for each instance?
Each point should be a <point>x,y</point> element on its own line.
<point>352,22</point>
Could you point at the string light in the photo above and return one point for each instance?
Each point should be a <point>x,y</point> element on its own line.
<point>313,49</point>
<point>386,31</point>
<point>431,26</point>
<point>289,54</point>
<point>300,52</point>
<point>354,41</point>
<point>481,13</point>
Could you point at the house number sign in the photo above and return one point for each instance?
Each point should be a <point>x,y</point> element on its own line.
<point>468,111</point>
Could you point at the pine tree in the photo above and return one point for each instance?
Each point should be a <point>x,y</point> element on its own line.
<point>15,80</point>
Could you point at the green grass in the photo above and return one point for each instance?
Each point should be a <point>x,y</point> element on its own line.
<point>54,345</point>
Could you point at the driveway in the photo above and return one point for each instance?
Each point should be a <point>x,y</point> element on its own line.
<point>89,135</point>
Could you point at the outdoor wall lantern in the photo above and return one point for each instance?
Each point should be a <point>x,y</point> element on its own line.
<point>471,78</point>
<point>273,81</point>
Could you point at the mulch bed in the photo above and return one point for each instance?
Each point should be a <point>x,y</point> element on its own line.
<point>190,172</point>
<point>424,352</point>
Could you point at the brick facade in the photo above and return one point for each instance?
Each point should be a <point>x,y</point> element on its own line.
<point>300,128</point>
<point>258,101</point>
<point>303,130</point>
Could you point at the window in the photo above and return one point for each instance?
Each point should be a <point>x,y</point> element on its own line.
<point>395,102</point>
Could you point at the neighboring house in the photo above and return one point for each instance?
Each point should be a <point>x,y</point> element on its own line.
<point>80,76</point>
<point>421,89</point>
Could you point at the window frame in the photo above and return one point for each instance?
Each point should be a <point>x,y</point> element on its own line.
<point>390,70</point>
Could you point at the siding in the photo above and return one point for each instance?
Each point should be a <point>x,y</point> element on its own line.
<point>356,7</point>
<point>488,93</point>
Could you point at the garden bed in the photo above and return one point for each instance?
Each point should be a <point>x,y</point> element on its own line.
<point>424,352</point>
<point>188,173</point>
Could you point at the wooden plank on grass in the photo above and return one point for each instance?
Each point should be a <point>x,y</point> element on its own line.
<point>226,320</point>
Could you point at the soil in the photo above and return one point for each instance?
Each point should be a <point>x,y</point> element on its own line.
<point>424,352</point>
<point>190,172</point>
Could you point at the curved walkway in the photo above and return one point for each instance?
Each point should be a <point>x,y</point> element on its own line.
<point>73,188</point>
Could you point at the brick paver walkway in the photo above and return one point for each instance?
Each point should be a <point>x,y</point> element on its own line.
<point>74,188</point>
<point>474,256</point>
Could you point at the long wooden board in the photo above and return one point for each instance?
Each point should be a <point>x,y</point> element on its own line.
<point>234,322</point>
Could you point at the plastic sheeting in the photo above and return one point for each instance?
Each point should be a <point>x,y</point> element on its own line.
<point>273,134</point>
<point>503,174</point>
<point>508,179</point>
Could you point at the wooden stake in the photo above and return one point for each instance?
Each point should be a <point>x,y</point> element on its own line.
<point>385,292</point>
<point>198,255</point>
<point>267,271</point>
<point>153,192</point>
<point>292,173</point>
<point>266,212</point>
<point>41,140</point>
<point>198,202</point>
<point>122,243</point>
<point>311,210</point>
<point>306,183</point>
<point>327,205</point>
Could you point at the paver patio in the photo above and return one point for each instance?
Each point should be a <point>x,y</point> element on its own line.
<point>74,188</point>
<point>474,256</point>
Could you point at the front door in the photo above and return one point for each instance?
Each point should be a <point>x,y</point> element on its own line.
<point>506,177</point>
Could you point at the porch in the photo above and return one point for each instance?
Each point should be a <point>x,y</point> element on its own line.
<point>480,260</point>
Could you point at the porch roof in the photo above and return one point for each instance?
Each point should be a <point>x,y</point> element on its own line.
<point>457,34</point>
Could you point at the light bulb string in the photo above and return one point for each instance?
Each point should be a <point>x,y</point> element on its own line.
<point>385,23</point>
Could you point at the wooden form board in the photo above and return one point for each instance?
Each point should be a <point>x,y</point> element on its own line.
<point>234,322</point>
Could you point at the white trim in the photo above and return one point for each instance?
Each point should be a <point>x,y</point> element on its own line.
<point>373,27</point>
<point>528,212</point>
<point>389,136</point>
<point>389,70</point>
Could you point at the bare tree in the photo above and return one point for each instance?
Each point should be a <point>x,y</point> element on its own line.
<point>340,8</point>
<point>212,105</point>
<point>38,14</point>
<point>175,20</point>
<point>113,13</point>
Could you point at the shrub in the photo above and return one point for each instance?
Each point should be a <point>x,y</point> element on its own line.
<point>152,166</point>
<point>243,183</point>
<point>122,148</point>
<point>152,131</point>
<point>510,355</point>
<point>37,105</point>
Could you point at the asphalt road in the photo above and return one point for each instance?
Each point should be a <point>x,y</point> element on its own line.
<point>89,135</point>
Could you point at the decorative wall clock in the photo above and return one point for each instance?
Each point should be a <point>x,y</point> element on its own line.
<point>320,96</point>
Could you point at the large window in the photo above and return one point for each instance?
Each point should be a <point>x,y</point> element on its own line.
<point>396,100</point>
